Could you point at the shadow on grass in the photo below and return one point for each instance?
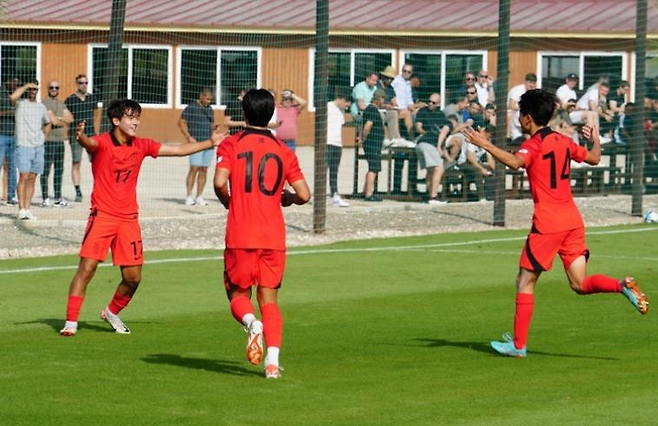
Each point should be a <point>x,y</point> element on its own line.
<point>57,324</point>
<point>218,366</point>
<point>485,348</point>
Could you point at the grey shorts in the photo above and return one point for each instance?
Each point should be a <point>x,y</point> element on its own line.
<point>428,156</point>
<point>76,150</point>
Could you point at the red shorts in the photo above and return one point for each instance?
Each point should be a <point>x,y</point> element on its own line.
<point>248,267</point>
<point>540,249</point>
<point>123,237</point>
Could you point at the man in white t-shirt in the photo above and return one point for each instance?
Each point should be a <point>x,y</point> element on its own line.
<point>335,121</point>
<point>485,89</point>
<point>32,128</point>
<point>513,97</point>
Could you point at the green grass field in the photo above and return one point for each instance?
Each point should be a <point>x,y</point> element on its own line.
<point>380,332</point>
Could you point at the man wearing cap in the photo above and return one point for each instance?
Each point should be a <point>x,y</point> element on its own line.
<point>513,98</point>
<point>567,93</point>
<point>389,113</point>
<point>568,90</point>
<point>372,139</point>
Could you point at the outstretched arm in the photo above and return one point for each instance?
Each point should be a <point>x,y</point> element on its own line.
<point>87,143</point>
<point>507,158</point>
<point>190,148</point>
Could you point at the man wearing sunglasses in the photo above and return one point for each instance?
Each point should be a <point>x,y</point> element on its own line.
<point>83,106</point>
<point>32,127</point>
<point>60,118</point>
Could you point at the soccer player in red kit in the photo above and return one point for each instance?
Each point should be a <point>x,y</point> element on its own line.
<point>116,158</point>
<point>254,164</point>
<point>557,226</point>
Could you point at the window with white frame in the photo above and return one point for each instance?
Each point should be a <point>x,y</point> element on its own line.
<point>144,73</point>
<point>589,66</point>
<point>223,70</point>
<point>19,60</point>
<point>347,67</point>
<point>442,71</point>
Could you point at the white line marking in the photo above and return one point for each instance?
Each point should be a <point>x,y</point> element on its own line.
<point>294,252</point>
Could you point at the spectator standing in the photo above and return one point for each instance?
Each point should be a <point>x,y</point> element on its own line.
<point>433,128</point>
<point>335,121</point>
<point>546,156</point>
<point>7,137</point>
<point>404,98</point>
<point>485,88</point>
<point>60,118</point>
<point>287,113</point>
<point>83,105</point>
<point>196,123</point>
<point>32,127</point>
<point>372,140</point>
<point>233,113</point>
<point>116,160</point>
<point>255,253</point>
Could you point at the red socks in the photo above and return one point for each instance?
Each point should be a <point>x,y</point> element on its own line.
<point>525,304</point>
<point>118,302</point>
<point>272,325</point>
<point>73,306</point>
<point>241,306</point>
<point>600,284</point>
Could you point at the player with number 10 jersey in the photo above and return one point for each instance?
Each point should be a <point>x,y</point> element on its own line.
<point>259,164</point>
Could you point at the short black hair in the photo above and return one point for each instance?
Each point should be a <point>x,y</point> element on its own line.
<point>538,104</point>
<point>258,107</point>
<point>121,107</point>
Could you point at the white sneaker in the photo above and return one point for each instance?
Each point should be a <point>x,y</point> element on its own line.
<point>189,201</point>
<point>46,203</point>
<point>61,203</point>
<point>114,321</point>
<point>22,214</point>
<point>436,202</point>
<point>339,202</point>
<point>273,371</point>
<point>29,215</point>
<point>255,342</point>
<point>200,201</point>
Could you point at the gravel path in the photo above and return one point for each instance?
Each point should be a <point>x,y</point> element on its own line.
<point>169,224</point>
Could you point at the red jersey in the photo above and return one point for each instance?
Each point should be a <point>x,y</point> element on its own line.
<point>548,158</point>
<point>258,165</point>
<point>115,168</point>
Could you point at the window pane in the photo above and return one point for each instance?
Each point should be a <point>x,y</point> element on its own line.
<point>456,66</point>
<point>149,79</point>
<point>101,69</point>
<point>239,70</point>
<point>18,62</point>
<point>555,69</point>
<point>366,63</point>
<point>338,66</point>
<point>427,67</point>
<point>651,75</point>
<point>198,71</point>
<point>597,66</point>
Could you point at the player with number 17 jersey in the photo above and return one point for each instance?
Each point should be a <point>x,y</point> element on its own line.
<point>115,168</point>
<point>259,164</point>
<point>548,158</point>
